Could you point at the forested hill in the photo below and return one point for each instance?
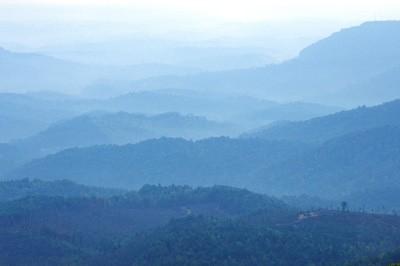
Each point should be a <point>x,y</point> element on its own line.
<point>120,128</point>
<point>326,127</point>
<point>177,225</point>
<point>365,160</point>
<point>358,162</point>
<point>18,189</point>
<point>323,238</point>
<point>162,161</point>
<point>74,231</point>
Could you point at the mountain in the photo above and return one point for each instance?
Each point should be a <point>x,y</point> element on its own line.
<point>373,200</point>
<point>120,79</point>
<point>21,72</point>
<point>365,160</point>
<point>19,189</point>
<point>120,128</point>
<point>389,258</point>
<point>216,106</point>
<point>179,225</point>
<point>338,169</point>
<point>319,238</point>
<point>380,88</point>
<point>327,67</point>
<point>154,201</point>
<point>162,161</point>
<point>70,231</point>
<point>292,111</point>
<point>10,157</point>
<point>208,55</point>
<point>249,112</point>
<point>324,128</point>
<point>382,199</point>
<point>27,72</point>
<point>23,115</point>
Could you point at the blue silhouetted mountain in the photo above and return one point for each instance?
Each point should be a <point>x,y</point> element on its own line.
<point>179,225</point>
<point>19,189</point>
<point>64,230</point>
<point>27,72</point>
<point>120,128</point>
<point>353,163</point>
<point>24,115</point>
<point>320,73</point>
<point>162,161</point>
<point>359,161</point>
<point>238,109</point>
<point>324,128</point>
<point>10,157</point>
<point>378,88</point>
<point>33,72</point>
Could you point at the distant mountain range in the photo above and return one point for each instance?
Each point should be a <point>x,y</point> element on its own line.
<point>25,115</point>
<point>25,188</point>
<point>27,72</point>
<point>358,152</point>
<point>357,65</point>
<point>364,160</point>
<point>120,128</point>
<point>323,128</point>
<point>238,109</point>
<point>10,157</point>
<point>159,171</point>
<point>176,225</point>
<point>210,55</point>
<point>323,72</point>
<point>20,72</point>
<point>333,156</point>
<point>163,161</point>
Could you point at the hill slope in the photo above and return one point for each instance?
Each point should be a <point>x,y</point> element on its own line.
<point>69,231</point>
<point>327,238</point>
<point>180,225</point>
<point>23,115</point>
<point>21,72</point>
<point>163,161</point>
<point>120,128</point>
<point>324,128</point>
<point>27,72</point>
<point>352,163</point>
<point>18,189</point>
<point>325,68</point>
<point>238,109</point>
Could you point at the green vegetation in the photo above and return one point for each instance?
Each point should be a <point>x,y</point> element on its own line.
<point>164,161</point>
<point>98,128</point>
<point>327,239</point>
<point>18,189</point>
<point>324,128</point>
<point>353,163</point>
<point>179,225</point>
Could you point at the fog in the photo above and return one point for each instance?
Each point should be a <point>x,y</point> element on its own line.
<point>274,30</point>
<point>214,132</point>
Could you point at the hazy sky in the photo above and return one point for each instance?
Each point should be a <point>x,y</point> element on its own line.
<point>47,22</point>
<point>243,10</point>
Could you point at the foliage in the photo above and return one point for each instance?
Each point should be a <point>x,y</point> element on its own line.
<point>164,161</point>
<point>17,189</point>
